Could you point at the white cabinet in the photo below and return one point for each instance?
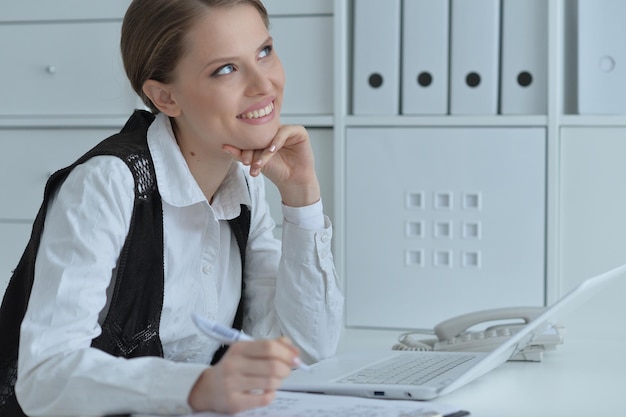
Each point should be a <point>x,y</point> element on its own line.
<point>63,69</point>
<point>299,7</point>
<point>307,61</point>
<point>30,156</point>
<point>44,10</point>
<point>64,90</point>
<point>455,223</point>
<point>593,221</point>
<point>578,226</point>
<point>562,214</point>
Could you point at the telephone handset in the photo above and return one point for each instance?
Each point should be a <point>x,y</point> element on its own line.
<point>454,334</point>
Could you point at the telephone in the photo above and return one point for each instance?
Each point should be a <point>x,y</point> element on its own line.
<point>454,334</point>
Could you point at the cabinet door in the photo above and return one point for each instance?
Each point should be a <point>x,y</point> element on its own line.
<point>30,156</point>
<point>305,45</point>
<point>443,221</point>
<point>593,223</point>
<point>41,10</point>
<point>63,69</point>
<point>298,7</point>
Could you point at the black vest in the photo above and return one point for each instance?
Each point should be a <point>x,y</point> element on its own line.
<point>131,327</point>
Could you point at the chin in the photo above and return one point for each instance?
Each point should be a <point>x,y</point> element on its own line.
<point>259,135</point>
<point>266,136</point>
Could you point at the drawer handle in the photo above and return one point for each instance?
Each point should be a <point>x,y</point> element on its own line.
<point>51,69</point>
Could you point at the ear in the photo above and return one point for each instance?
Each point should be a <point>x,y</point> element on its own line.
<point>161,97</point>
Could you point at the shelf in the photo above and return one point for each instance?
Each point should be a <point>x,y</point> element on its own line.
<point>308,121</point>
<point>29,122</point>
<point>447,120</point>
<point>593,120</point>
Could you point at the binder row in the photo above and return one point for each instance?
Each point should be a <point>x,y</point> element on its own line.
<point>461,57</point>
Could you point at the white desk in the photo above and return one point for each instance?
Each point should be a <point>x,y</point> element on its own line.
<point>582,378</point>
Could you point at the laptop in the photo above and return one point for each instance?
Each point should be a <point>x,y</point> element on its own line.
<point>416,375</point>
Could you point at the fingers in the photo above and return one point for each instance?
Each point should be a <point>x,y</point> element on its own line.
<point>286,137</point>
<point>265,357</point>
<point>255,159</point>
<point>259,158</point>
<point>253,400</point>
<point>210,393</point>
<point>247,156</point>
<point>247,376</point>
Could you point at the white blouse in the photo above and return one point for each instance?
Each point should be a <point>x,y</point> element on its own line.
<point>293,292</point>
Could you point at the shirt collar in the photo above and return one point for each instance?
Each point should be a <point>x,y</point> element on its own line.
<point>177,185</point>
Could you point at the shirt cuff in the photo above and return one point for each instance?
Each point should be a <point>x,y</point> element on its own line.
<point>171,394</point>
<point>308,217</point>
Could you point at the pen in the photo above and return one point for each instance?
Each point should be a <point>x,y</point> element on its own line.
<point>227,336</point>
<point>460,413</point>
<point>423,414</point>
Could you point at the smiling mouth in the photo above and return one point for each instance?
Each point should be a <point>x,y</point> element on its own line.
<point>257,114</point>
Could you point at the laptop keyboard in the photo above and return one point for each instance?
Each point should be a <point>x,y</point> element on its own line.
<point>411,369</point>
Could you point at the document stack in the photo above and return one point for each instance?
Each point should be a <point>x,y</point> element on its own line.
<point>459,57</point>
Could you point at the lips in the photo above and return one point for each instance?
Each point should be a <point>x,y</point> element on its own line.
<point>257,114</point>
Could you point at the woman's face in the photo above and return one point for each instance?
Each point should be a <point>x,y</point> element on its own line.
<point>228,86</point>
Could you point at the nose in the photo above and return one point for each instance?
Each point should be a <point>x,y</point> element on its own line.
<point>259,81</point>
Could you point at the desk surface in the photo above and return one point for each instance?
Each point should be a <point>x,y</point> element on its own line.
<point>581,378</point>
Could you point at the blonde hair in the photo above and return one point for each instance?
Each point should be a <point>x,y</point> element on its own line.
<point>153,37</point>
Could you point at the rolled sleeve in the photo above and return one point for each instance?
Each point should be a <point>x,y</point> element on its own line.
<point>292,289</point>
<point>308,293</point>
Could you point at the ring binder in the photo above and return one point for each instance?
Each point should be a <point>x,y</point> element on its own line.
<point>425,38</point>
<point>474,56</point>
<point>376,76</point>
<point>523,82</point>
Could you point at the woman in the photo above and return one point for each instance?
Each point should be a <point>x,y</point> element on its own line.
<point>164,220</point>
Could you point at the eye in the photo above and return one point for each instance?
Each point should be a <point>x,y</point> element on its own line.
<point>224,70</point>
<point>266,51</point>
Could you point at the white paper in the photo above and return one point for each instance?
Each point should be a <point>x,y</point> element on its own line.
<point>291,404</point>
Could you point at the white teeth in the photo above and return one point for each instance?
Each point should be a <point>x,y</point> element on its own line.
<point>259,113</point>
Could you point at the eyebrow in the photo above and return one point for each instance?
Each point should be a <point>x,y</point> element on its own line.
<point>232,58</point>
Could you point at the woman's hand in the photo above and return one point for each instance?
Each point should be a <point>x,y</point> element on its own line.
<point>247,376</point>
<point>288,162</point>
